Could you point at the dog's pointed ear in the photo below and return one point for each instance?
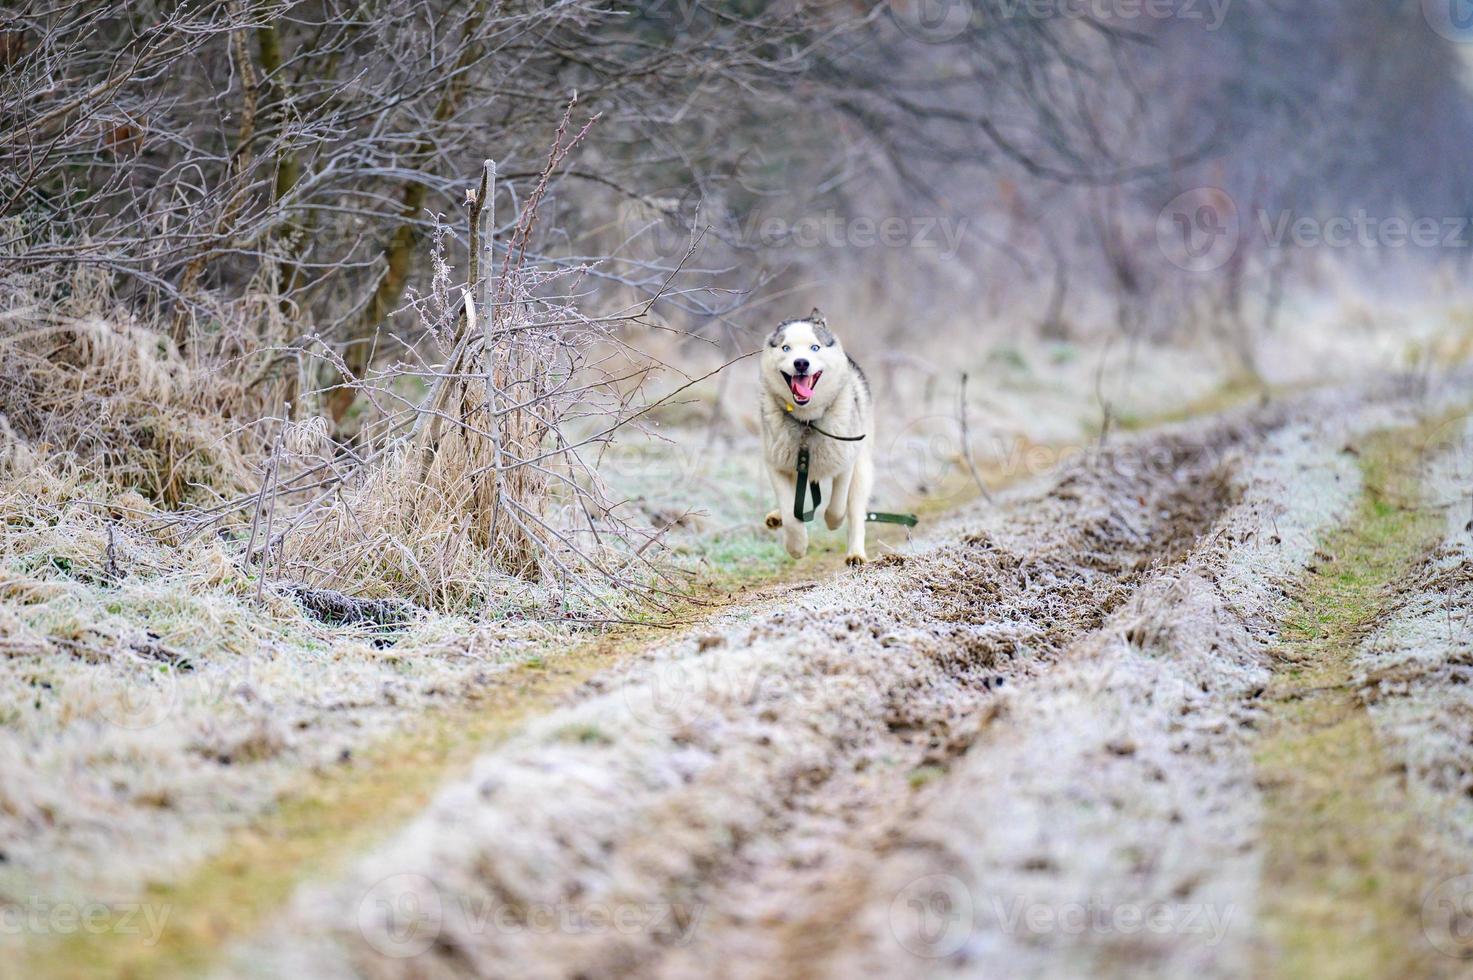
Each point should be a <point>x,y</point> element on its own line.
<point>776,337</point>
<point>821,328</point>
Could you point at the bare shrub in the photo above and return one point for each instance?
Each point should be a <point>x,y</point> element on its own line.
<point>85,379</point>
<point>496,476</point>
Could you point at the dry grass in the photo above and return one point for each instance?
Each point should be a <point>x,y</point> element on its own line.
<point>112,397</point>
<point>484,487</point>
<point>465,484</point>
<point>489,498</point>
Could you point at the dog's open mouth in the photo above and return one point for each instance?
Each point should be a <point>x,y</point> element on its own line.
<point>802,385</point>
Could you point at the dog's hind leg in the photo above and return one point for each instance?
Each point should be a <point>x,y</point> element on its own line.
<point>860,487</point>
<point>795,533</point>
<point>833,515</point>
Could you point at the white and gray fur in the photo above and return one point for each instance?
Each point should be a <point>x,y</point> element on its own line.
<point>841,404</point>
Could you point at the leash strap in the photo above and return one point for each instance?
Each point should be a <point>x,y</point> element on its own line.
<point>880,517</point>
<point>858,438</point>
<point>806,516</point>
<point>798,511</point>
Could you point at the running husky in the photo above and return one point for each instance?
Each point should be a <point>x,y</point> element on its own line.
<point>812,392</point>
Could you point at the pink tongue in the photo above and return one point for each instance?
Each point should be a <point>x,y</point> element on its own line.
<point>802,387</point>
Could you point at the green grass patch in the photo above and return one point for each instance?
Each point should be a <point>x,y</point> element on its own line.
<point>924,774</point>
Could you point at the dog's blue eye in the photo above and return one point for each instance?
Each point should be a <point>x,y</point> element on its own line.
<point>814,348</point>
<point>786,348</point>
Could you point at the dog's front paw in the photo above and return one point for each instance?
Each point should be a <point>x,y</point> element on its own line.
<point>795,539</point>
<point>775,520</point>
<point>854,561</point>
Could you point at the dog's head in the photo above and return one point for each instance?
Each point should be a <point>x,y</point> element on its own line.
<point>803,363</point>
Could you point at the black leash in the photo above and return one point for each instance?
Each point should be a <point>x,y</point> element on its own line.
<point>810,425</point>
<point>806,516</point>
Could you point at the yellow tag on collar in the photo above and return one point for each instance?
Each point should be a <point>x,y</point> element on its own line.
<point>790,406</point>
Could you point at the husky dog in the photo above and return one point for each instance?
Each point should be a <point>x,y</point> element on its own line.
<point>810,384</point>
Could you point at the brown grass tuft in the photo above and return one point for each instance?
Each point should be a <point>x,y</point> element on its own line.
<point>104,393</point>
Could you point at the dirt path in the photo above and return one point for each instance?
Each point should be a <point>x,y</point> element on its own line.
<point>1124,697</point>
<point>1351,854</point>
<point>784,910</point>
<point>711,781</point>
<point>1208,767</point>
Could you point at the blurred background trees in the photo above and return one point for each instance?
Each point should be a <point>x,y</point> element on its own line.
<point>296,152</point>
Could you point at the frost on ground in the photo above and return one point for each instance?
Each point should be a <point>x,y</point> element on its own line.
<point>1106,823</point>
<point>151,704</point>
<point>1415,672</point>
<point>1046,702</point>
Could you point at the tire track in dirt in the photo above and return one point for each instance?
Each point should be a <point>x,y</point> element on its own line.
<point>1126,779</point>
<point>784,911</point>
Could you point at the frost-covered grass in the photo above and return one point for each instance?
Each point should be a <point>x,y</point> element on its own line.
<point>738,751</point>
<point>1414,671</point>
<point>151,705</point>
<point>1336,805</point>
